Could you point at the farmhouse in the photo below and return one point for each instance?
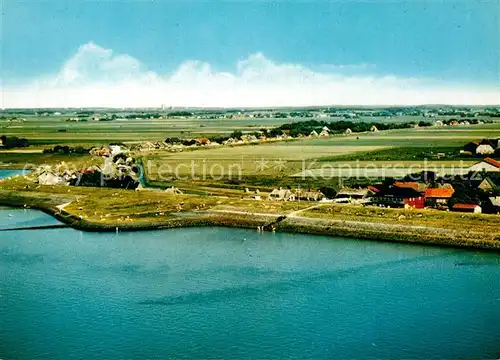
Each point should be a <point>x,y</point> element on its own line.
<point>348,131</point>
<point>281,195</point>
<point>495,202</point>
<point>347,195</point>
<point>324,132</point>
<point>202,141</point>
<point>104,151</point>
<point>398,198</point>
<point>471,147</point>
<point>375,188</point>
<point>490,185</point>
<point>488,164</point>
<point>417,186</point>
<point>313,133</point>
<point>51,178</point>
<point>470,208</point>
<point>438,196</point>
<point>486,147</point>
<point>373,128</point>
<point>309,195</point>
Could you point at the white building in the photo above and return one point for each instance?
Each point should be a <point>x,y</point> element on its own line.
<point>487,165</point>
<point>485,149</point>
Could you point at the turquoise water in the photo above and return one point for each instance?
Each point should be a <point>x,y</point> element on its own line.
<point>228,293</point>
<point>8,173</point>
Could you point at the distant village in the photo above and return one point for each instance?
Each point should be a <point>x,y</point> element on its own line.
<point>461,114</point>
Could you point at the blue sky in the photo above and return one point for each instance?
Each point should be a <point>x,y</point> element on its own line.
<point>452,41</point>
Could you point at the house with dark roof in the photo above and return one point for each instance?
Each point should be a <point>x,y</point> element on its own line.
<point>495,202</point>
<point>399,197</point>
<point>353,196</point>
<point>309,195</point>
<point>487,147</point>
<point>471,147</point>
<point>490,185</point>
<point>281,195</point>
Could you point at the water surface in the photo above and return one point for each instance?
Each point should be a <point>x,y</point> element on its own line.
<point>4,173</point>
<point>228,293</point>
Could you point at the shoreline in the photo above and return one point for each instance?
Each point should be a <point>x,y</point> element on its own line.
<point>372,231</point>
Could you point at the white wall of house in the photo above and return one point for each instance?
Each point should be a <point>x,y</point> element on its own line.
<point>485,150</point>
<point>483,166</point>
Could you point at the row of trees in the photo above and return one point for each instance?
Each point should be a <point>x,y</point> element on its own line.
<point>306,127</point>
<point>10,142</point>
<point>65,150</point>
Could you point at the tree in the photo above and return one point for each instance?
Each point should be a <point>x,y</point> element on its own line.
<point>236,134</point>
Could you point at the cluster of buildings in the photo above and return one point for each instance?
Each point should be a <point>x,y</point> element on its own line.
<point>179,145</point>
<point>117,171</point>
<point>297,195</point>
<point>477,192</point>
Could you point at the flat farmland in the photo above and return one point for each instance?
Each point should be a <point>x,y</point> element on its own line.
<point>266,159</point>
<point>56,130</point>
<point>324,157</point>
<point>378,170</point>
<point>41,130</point>
<point>420,137</point>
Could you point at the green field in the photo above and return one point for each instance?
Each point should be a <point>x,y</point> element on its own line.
<point>226,170</point>
<point>43,130</point>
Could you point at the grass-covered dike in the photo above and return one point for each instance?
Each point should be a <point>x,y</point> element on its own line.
<point>100,209</point>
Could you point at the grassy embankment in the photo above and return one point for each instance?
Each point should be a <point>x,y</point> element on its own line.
<point>107,209</point>
<point>17,159</point>
<point>97,209</point>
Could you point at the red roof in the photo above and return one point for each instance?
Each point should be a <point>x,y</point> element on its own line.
<point>465,206</point>
<point>403,184</point>
<point>410,185</point>
<point>442,193</point>
<point>373,188</point>
<point>492,162</point>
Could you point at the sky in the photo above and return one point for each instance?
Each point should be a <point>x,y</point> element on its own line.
<point>59,53</point>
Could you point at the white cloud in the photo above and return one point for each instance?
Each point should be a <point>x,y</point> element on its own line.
<point>95,76</point>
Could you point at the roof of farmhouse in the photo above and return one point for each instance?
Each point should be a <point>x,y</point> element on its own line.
<point>440,193</point>
<point>493,162</point>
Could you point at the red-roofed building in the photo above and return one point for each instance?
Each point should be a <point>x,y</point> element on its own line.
<point>375,188</point>
<point>420,187</point>
<point>438,196</point>
<point>488,165</point>
<point>492,162</point>
<point>398,197</point>
<point>471,208</point>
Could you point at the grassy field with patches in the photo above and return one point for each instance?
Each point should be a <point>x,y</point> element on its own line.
<point>43,130</point>
<point>263,166</point>
<point>402,148</point>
